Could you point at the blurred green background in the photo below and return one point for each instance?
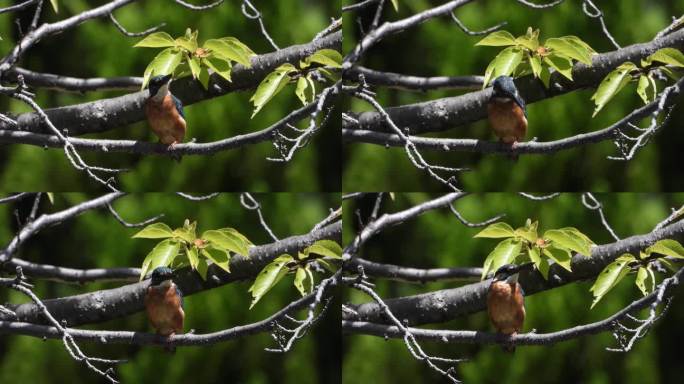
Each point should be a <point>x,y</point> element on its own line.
<point>439,48</point>
<point>96,239</point>
<point>97,48</point>
<point>438,239</point>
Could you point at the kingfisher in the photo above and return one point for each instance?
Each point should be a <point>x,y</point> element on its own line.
<point>507,112</point>
<point>164,303</point>
<point>164,112</point>
<point>505,302</point>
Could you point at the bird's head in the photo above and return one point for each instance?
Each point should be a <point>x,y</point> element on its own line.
<point>504,87</point>
<point>508,273</point>
<point>161,275</point>
<point>159,86</point>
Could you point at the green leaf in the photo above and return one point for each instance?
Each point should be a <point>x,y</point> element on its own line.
<point>541,264</point>
<point>567,48</point>
<point>535,64</point>
<point>202,268</point>
<point>610,276</point>
<point>528,42</point>
<point>55,6</point>
<point>300,276</point>
<point>503,64</point>
<point>154,231</point>
<point>545,76</point>
<point>570,238</point>
<point>395,4</point>
<point>220,66</point>
<point>498,38</point>
<point>327,248</point>
<point>611,85</point>
<point>156,40</point>
<point>51,197</point>
<point>504,253</point>
<point>195,68</point>
<point>230,48</point>
<point>223,240</point>
<point>185,234</point>
<point>640,281</point>
<point>302,84</point>
<point>219,256</point>
<point>561,64</point>
<point>269,277</point>
<point>271,85</point>
<point>669,56</point>
<point>312,86</point>
<point>497,230</point>
<point>204,76</point>
<point>325,57</point>
<point>161,255</point>
<point>642,87</point>
<point>187,44</point>
<point>163,64</point>
<point>529,234</point>
<point>667,247</point>
<point>193,258</point>
<point>239,237</point>
<point>574,40</point>
<point>561,256</point>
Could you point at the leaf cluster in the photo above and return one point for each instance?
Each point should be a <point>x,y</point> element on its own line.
<point>182,247</point>
<point>645,280</point>
<point>285,264</point>
<point>525,55</point>
<point>628,72</point>
<point>287,73</point>
<point>523,245</point>
<point>183,56</point>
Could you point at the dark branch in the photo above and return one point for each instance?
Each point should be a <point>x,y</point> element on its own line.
<point>447,304</point>
<point>114,303</point>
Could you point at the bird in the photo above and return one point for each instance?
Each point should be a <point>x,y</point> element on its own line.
<point>507,112</point>
<point>164,112</point>
<point>164,303</point>
<point>506,302</point>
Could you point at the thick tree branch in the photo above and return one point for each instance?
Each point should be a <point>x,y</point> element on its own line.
<point>113,303</point>
<point>140,338</point>
<point>106,114</point>
<point>445,305</point>
<point>477,337</point>
<point>446,113</point>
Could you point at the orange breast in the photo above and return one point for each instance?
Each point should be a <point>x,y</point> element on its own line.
<point>506,307</point>
<point>165,121</point>
<point>507,120</point>
<point>164,310</point>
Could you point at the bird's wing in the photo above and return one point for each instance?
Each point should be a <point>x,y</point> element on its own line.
<point>519,100</point>
<point>179,105</point>
<point>180,294</point>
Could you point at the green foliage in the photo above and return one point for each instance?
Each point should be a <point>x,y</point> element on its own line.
<point>556,52</point>
<point>213,246</point>
<point>524,245</point>
<point>628,72</point>
<point>183,56</point>
<point>285,264</point>
<point>55,6</point>
<point>395,4</point>
<point>611,275</point>
<point>303,76</point>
